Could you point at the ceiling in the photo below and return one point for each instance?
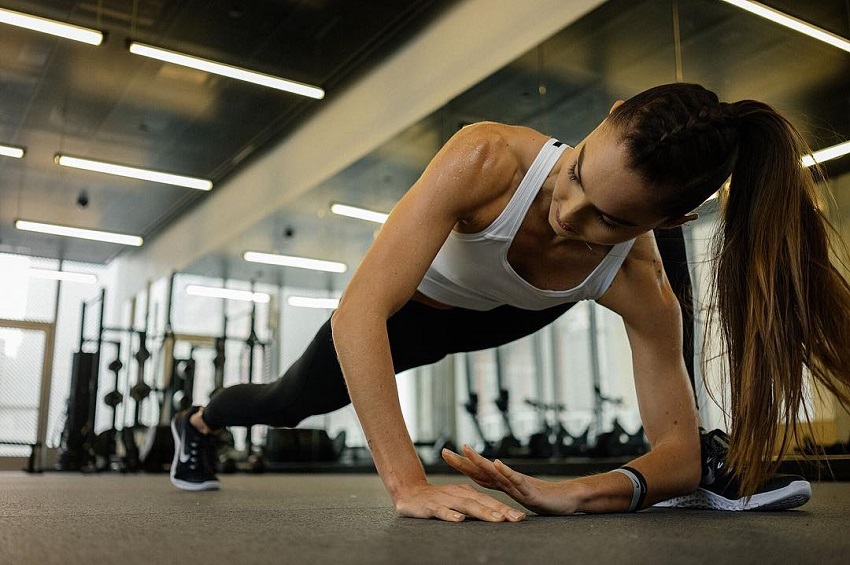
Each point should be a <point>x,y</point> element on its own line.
<point>105,103</point>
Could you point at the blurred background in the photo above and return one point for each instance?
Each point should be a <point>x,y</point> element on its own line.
<point>112,349</point>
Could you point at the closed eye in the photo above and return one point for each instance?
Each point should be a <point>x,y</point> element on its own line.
<point>605,223</point>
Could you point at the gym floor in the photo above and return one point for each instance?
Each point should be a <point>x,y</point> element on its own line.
<point>71,518</point>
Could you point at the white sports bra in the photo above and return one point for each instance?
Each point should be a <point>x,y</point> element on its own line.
<point>472,270</point>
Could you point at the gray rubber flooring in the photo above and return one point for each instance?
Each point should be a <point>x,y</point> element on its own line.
<point>340,519</point>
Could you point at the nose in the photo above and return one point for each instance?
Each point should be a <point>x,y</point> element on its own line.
<point>575,207</point>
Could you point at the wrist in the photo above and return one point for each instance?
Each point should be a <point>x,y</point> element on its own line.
<point>400,489</point>
<point>582,494</point>
<point>401,475</point>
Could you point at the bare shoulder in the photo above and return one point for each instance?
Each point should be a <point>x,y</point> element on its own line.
<point>490,147</point>
<point>641,275</point>
<point>486,159</point>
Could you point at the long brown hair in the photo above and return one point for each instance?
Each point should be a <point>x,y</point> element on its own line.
<point>780,303</point>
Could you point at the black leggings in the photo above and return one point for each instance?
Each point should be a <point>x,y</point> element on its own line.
<point>418,335</point>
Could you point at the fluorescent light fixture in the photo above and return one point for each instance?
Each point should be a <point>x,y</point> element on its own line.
<point>299,262</point>
<point>34,23</point>
<point>226,70</point>
<point>833,152</point>
<point>790,22</point>
<point>131,172</point>
<point>227,293</point>
<point>65,231</point>
<point>359,213</point>
<point>11,151</point>
<point>67,276</point>
<point>306,302</point>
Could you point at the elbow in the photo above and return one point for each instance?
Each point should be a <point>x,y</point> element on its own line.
<point>694,476</point>
<point>339,320</point>
<point>692,466</point>
<point>355,317</point>
<point>684,464</point>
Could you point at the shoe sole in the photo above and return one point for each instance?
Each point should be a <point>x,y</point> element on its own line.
<point>795,494</point>
<point>181,484</point>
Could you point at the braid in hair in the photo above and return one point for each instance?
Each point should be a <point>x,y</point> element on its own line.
<point>779,302</point>
<point>682,140</point>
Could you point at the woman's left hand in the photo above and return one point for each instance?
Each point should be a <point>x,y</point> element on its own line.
<point>542,497</point>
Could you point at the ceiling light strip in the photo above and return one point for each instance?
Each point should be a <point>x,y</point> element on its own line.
<point>793,23</point>
<point>12,151</point>
<point>827,154</point>
<point>52,27</point>
<point>299,262</point>
<point>359,213</point>
<point>226,70</point>
<point>79,233</point>
<point>227,293</point>
<point>307,302</point>
<point>132,172</point>
<point>66,276</point>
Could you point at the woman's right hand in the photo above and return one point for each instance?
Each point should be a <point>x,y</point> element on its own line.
<point>542,497</point>
<point>453,503</point>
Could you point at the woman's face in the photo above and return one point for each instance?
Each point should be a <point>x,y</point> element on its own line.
<point>597,198</point>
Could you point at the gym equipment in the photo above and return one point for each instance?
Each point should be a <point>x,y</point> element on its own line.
<point>218,362</point>
<point>286,445</point>
<point>80,449</point>
<point>132,435</point>
<point>157,451</point>
<point>554,441</point>
<point>431,451</point>
<point>106,443</point>
<point>144,448</point>
<point>183,382</point>
<point>471,407</point>
<point>224,441</point>
<point>76,452</point>
<point>254,453</point>
<point>177,391</point>
<point>617,442</point>
<point>508,446</point>
<point>72,454</point>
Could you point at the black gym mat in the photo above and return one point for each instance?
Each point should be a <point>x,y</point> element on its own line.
<point>70,518</point>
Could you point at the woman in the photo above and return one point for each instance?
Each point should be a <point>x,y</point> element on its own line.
<point>506,229</point>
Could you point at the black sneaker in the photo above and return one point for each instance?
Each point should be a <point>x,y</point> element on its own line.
<point>719,491</point>
<point>195,457</point>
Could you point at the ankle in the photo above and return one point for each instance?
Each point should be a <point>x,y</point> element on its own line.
<point>198,423</point>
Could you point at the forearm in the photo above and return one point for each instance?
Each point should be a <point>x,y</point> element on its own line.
<point>670,469</point>
<point>363,349</point>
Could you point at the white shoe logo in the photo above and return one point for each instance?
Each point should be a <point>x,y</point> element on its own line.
<point>184,457</point>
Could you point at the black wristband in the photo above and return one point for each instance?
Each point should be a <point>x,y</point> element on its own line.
<point>642,482</point>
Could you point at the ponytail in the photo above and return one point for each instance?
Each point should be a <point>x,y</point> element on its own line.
<point>778,302</point>
<point>781,304</point>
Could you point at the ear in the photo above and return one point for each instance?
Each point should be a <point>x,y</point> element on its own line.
<point>616,105</point>
<point>676,222</point>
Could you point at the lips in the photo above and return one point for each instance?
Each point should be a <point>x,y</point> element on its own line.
<point>566,227</point>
